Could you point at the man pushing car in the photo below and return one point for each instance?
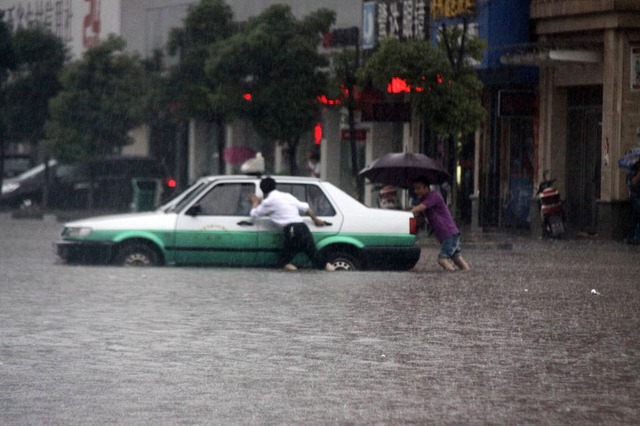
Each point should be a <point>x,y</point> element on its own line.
<point>284,210</point>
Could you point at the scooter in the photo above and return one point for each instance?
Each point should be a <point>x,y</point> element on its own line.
<point>551,209</point>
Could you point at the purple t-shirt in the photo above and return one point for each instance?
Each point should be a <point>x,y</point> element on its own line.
<point>439,216</point>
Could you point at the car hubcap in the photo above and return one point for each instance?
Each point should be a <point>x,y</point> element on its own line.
<point>137,259</point>
<point>342,265</point>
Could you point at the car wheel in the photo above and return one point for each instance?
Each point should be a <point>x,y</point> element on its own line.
<point>136,255</point>
<point>343,261</point>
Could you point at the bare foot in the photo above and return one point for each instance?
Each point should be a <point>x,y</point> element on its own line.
<point>446,264</point>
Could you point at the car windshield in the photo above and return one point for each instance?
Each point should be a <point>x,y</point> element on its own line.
<point>34,171</point>
<point>178,202</point>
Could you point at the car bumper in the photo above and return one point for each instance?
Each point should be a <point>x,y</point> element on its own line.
<point>394,258</point>
<point>92,252</point>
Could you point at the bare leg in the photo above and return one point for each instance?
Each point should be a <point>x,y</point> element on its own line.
<point>461,263</point>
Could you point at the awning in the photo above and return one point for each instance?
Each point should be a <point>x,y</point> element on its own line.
<point>552,57</point>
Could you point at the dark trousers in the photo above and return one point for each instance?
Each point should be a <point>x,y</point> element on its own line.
<point>297,238</point>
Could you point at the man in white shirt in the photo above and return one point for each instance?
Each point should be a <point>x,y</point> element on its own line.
<point>284,210</point>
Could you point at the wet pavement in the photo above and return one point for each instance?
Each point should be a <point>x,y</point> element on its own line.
<point>538,332</point>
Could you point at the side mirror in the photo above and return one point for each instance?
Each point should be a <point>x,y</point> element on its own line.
<point>194,210</point>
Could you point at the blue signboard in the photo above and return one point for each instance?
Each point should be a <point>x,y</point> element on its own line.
<point>369,25</point>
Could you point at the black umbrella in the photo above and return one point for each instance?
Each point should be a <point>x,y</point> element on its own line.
<point>401,168</point>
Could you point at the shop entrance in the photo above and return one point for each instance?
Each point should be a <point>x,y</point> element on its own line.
<point>584,135</point>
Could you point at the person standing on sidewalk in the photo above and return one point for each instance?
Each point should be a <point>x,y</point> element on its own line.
<point>433,207</point>
<point>284,210</point>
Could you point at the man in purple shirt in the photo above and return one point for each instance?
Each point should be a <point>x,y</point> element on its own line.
<point>433,207</point>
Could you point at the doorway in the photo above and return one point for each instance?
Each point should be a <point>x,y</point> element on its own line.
<point>584,135</point>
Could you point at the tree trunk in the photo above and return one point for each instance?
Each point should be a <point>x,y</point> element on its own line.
<point>358,180</point>
<point>1,158</point>
<point>44,203</point>
<point>292,145</point>
<point>221,144</point>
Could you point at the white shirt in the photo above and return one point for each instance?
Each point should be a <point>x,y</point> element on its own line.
<point>282,208</point>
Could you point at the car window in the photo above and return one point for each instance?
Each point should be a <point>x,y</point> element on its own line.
<point>312,194</point>
<point>13,166</point>
<point>71,172</point>
<point>227,199</point>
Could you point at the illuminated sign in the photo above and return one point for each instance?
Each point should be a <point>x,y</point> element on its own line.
<point>398,85</point>
<point>441,9</point>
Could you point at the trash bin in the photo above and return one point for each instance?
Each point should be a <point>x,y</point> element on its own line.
<point>146,193</point>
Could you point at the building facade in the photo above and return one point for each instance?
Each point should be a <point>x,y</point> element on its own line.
<point>589,105</point>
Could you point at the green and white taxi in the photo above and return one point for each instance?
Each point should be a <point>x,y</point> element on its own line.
<point>209,224</point>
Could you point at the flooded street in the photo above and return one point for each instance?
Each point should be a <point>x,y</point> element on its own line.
<point>542,333</point>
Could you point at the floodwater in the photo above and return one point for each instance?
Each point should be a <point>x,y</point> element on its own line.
<point>543,333</point>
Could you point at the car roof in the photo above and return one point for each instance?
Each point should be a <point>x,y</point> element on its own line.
<point>277,178</point>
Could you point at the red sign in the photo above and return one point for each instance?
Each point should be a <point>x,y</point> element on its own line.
<point>361,134</point>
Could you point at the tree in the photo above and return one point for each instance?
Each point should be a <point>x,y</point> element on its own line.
<point>346,64</point>
<point>7,62</point>
<point>274,59</point>
<point>205,24</point>
<point>447,94</point>
<point>103,98</point>
<point>39,56</point>
<point>187,86</point>
<point>444,89</point>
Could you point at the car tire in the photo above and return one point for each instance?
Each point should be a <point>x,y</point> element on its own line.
<point>136,255</point>
<point>343,261</point>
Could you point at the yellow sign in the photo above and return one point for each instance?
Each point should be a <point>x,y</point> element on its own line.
<point>451,8</point>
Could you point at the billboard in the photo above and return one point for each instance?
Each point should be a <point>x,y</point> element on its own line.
<point>79,23</point>
<point>402,19</point>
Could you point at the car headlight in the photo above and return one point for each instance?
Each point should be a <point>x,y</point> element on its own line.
<point>76,232</point>
<point>8,187</point>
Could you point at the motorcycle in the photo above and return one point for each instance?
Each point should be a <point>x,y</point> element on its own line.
<point>551,210</point>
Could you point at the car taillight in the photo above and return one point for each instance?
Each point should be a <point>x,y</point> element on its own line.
<point>171,183</point>
<point>413,226</point>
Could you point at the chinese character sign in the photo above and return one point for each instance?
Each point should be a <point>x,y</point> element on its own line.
<point>91,24</point>
<point>401,19</point>
<point>79,23</point>
<point>443,9</point>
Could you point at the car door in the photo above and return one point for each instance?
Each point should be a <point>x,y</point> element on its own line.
<point>216,229</point>
<point>271,238</point>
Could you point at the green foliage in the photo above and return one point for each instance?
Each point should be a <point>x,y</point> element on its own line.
<point>205,24</point>
<point>103,97</point>
<point>39,58</point>
<point>275,58</point>
<point>452,106</point>
<point>7,62</point>
<point>7,58</point>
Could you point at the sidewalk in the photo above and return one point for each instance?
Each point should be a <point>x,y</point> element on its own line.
<point>477,238</point>
<point>506,238</point>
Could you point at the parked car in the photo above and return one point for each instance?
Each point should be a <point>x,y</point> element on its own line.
<point>209,224</point>
<point>113,180</point>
